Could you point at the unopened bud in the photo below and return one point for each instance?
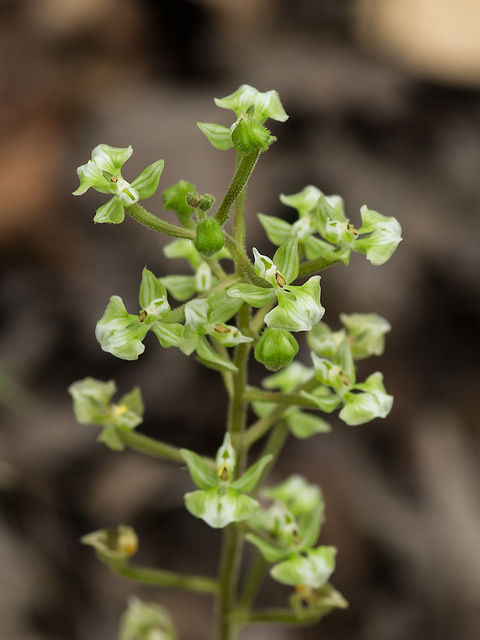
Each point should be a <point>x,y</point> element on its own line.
<point>209,238</point>
<point>276,349</point>
<point>248,135</point>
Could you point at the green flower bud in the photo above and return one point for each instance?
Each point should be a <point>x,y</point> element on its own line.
<point>248,135</point>
<point>193,199</point>
<point>276,349</point>
<point>209,238</point>
<point>113,545</point>
<point>197,201</point>
<point>206,202</point>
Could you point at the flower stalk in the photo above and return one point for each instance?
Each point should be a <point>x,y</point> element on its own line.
<point>208,312</point>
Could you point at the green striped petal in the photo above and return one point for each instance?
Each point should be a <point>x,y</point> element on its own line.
<point>252,295</point>
<point>265,105</point>
<point>218,135</point>
<point>147,182</point>
<point>151,289</point>
<point>112,212</point>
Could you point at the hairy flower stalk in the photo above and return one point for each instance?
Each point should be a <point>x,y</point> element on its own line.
<point>208,312</point>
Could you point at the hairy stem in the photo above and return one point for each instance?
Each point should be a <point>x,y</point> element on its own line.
<point>242,174</point>
<point>138,213</point>
<point>243,263</point>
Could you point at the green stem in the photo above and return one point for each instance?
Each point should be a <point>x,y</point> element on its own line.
<point>238,219</point>
<point>274,445</point>
<point>158,577</point>
<point>242,174</point>
<point>258,395</point>
<point>229,567</point>
<point>154,448</point>
<point>273,616</point>
<point>138,213</point>
<point>258,320</point>
<point>252,583</point>
<point>216,267</point>
<point>263,425</point>
<point>310,267</point>
<point>232,536</point>
<point>244,263</point>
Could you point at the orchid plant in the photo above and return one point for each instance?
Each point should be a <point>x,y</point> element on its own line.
<point>238,303</point>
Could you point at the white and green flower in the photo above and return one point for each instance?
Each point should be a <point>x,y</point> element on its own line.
<point>245,100</point>
<point>299,307</point>
<point>92,404</point>
<point>121,333</point>
<point>208,317</point>
<point>103,173</point>
<point>220,499</point>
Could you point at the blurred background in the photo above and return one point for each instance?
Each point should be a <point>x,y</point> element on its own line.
<point>384,105</point>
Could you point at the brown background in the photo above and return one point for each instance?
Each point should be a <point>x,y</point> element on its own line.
<point>371,118</point>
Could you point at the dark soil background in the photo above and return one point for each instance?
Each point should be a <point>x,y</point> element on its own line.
<point>402,494</point>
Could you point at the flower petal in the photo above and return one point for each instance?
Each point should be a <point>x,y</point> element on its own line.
<point>112,212</point>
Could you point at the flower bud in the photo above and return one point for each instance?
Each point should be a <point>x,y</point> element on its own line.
<point>206,202</point>
<point>276,349</point>
<point>193,199</point>
<point>113,545</point>
<point>248,135</point>
<point>209,238</point>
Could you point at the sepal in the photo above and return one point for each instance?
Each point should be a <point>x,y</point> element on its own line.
<point>249,480</point>
<point>384,235</point>
<point>147,182</point>
<point>372,402</point>
<point>202,475</point>
<point>119,332</point>
<point>92,405</point>
<point>278,231</point>
<point>251,294</point>
<point>304,425</point>
<point>298,309</point>
<point>366,332</point>
<point>304,201</point>
<point>313,568</point>
<point>112,212</point>
<point>299,495</point>
<point>218,136</point>
<point>151,288</point>
<point>220,506</point>
<point>265,105</point>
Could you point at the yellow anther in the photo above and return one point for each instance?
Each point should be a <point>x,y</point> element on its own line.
<point>223,472</point>
<point>119,409</point>
<point>220,328</point>
<point>128,542</point>
<point>280,280</point>
<point>304,590</point>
